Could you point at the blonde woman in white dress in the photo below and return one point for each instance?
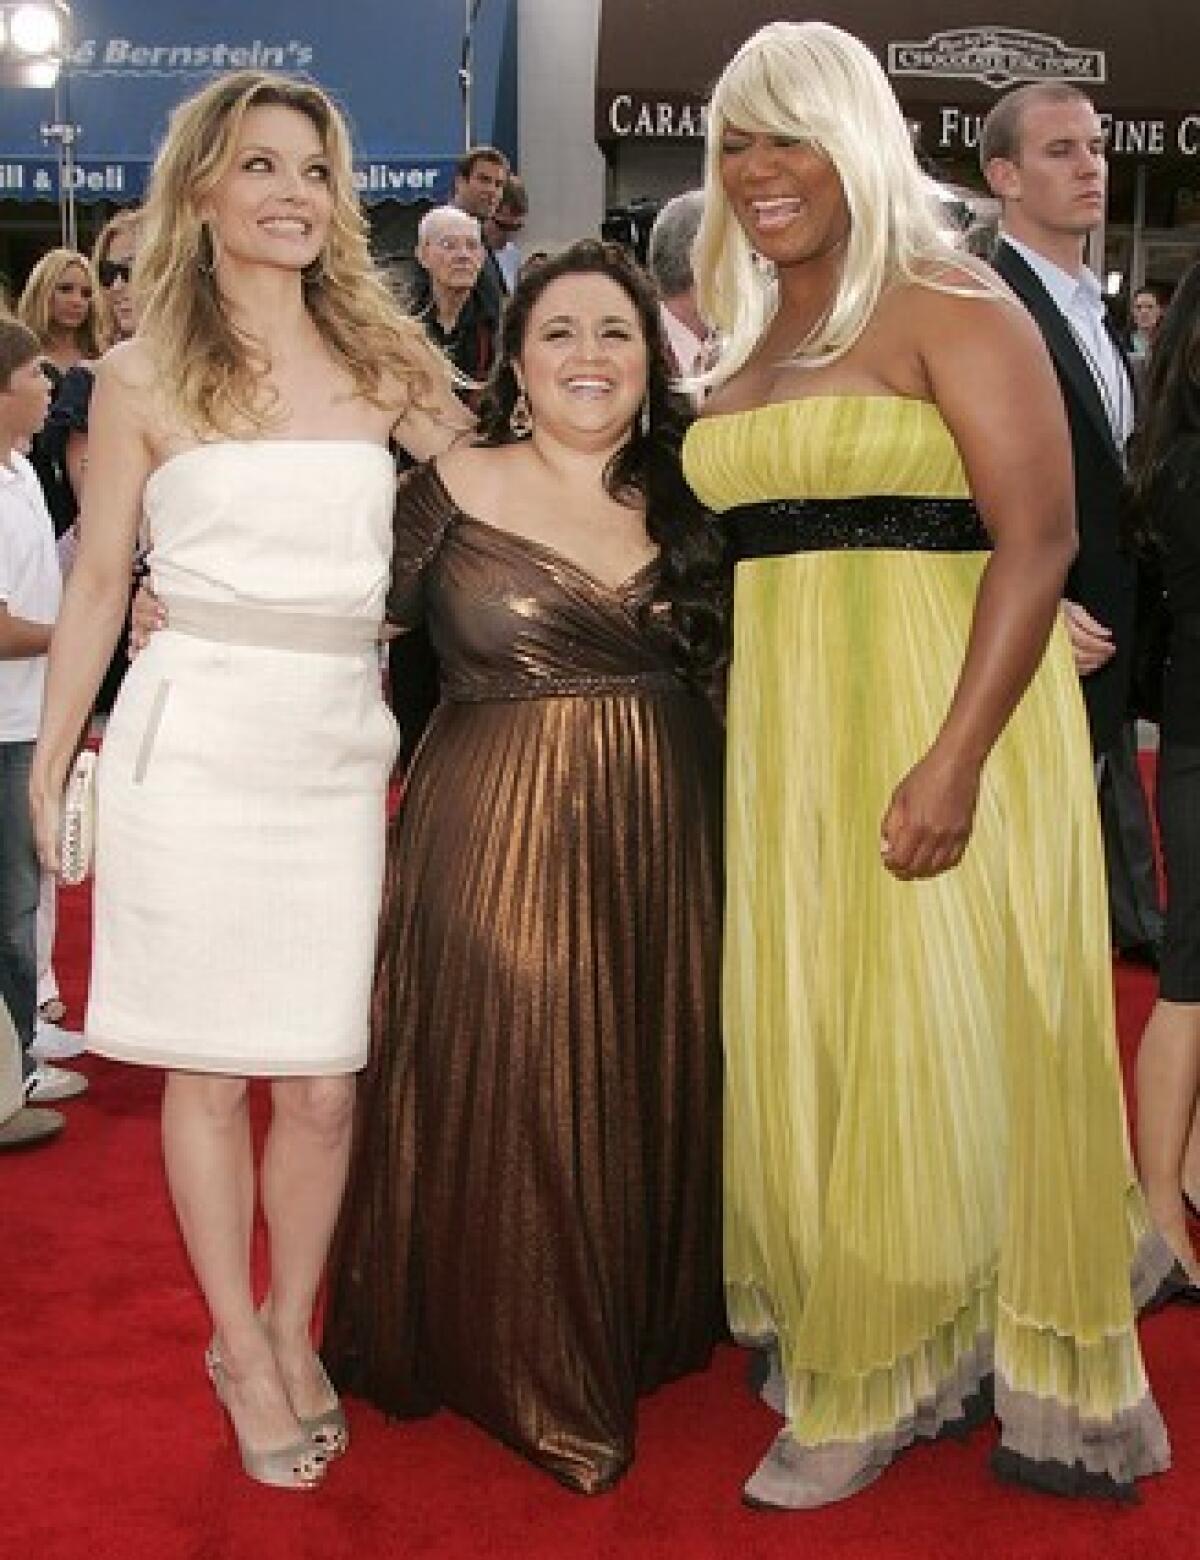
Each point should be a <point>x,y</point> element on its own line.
<point>243,773</point>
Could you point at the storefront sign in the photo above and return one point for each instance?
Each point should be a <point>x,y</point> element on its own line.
<point>947,129</point>
<point>997,56</point>
<point>395,74</point>
<point>656,63</point>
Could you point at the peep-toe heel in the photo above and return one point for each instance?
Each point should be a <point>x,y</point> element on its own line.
<point>300,1466</point>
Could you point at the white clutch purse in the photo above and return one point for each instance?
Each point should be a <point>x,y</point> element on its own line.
<point>77,825</point>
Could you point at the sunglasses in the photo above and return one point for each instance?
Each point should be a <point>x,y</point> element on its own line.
<point>111,271</point>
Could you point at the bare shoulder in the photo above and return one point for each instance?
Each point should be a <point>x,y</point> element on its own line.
<point>127,368</point>
<point>953,305</point>
<point>470,470</point>
<point>739,394</point>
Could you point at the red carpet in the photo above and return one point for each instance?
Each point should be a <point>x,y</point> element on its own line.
<point>113,1448</point>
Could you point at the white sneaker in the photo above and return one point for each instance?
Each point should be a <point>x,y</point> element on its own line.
<point>53,1044</point>
<point>46,1085</point>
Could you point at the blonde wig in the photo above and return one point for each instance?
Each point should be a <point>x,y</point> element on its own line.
<point>814,83</point>
<point>124,222</point>
<point>35,306</point>
<point>214,376</point>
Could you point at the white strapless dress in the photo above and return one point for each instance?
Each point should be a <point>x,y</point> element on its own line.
<point>243,773</point>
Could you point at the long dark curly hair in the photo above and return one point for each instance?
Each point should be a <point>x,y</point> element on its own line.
<point>690,603</point>
<point>1170,427</point>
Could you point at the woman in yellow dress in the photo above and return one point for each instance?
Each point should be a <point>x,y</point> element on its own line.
<point>928,1187</point>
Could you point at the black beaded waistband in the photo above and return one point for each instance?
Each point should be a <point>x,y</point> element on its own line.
<point>848,524</point>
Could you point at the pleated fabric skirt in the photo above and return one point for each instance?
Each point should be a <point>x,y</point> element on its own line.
<point>531,1232</point>
<point>927,1173</point>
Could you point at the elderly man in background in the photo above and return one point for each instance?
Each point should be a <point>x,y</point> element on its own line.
<point>450,256</point>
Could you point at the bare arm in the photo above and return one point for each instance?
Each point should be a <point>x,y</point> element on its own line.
<point>76,459</point>
<point>428,431</point>
<point>22,638</point>
<point>120,460</point>
<point>992,382</point>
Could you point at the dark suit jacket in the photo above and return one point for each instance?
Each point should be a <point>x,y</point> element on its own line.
<point>491,289</point>
<point>1103,577</point>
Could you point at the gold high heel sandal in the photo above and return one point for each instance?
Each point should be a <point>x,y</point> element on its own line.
<point>328,1430</point>
<point>300,1466</point>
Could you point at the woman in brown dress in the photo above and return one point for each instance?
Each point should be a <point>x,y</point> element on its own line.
<point>530,1235</point>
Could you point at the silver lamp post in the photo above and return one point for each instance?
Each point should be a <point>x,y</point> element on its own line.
<point>35,41</point>
<point>466,69</point>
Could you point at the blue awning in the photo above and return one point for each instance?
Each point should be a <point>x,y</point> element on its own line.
<point>393,65</point>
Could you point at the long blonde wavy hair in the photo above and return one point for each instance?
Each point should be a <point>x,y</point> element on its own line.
<point>213,376</point>
<point>812,82</point>
<point>35,306</point>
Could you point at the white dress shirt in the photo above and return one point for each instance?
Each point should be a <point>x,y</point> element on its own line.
<point>1081,302</point>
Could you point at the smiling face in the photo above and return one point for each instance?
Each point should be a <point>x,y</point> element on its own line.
<point>1054,188</point>
<point>71,301</point>
<point>785,194</point>
<point>583,361</point>
<point>272,206</point>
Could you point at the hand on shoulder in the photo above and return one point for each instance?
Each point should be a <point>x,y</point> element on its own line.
<point>429,427</point>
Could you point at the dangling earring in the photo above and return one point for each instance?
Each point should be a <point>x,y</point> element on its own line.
<point>206,251</point>
<point>313,274</point>
<point>520,419</point>
<point>644,418</point>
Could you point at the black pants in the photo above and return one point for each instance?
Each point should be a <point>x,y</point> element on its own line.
<point>1134,904</point>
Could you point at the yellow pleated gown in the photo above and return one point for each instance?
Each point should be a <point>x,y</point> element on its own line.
<point>927,1174</point>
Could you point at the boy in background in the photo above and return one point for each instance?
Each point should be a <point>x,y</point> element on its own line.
<point>30,591</point>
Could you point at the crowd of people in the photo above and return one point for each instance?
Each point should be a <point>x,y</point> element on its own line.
<point>737,958</point>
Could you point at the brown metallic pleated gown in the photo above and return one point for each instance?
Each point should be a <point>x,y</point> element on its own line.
<point>531,1230</point>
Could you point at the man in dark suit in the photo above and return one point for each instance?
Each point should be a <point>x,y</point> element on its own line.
<point>1043,155</point>
<point>479,181</point>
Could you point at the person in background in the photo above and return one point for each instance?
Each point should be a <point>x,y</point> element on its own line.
<point>1145,316</point>
<point>21,1125</point>
<point>1166,475</point>
<point>479,181</point>
<point>113,255</point>
<point>1042,153</point>
<point>450,255</point>
<point>930,1202</point>
<point>56,304</point>
<point>59,452</point>
<point>501,229</point>
<point>669,261</point>
<point>30,591</point>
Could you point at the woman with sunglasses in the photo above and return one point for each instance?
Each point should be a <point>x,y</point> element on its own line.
<point>112,262</point>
